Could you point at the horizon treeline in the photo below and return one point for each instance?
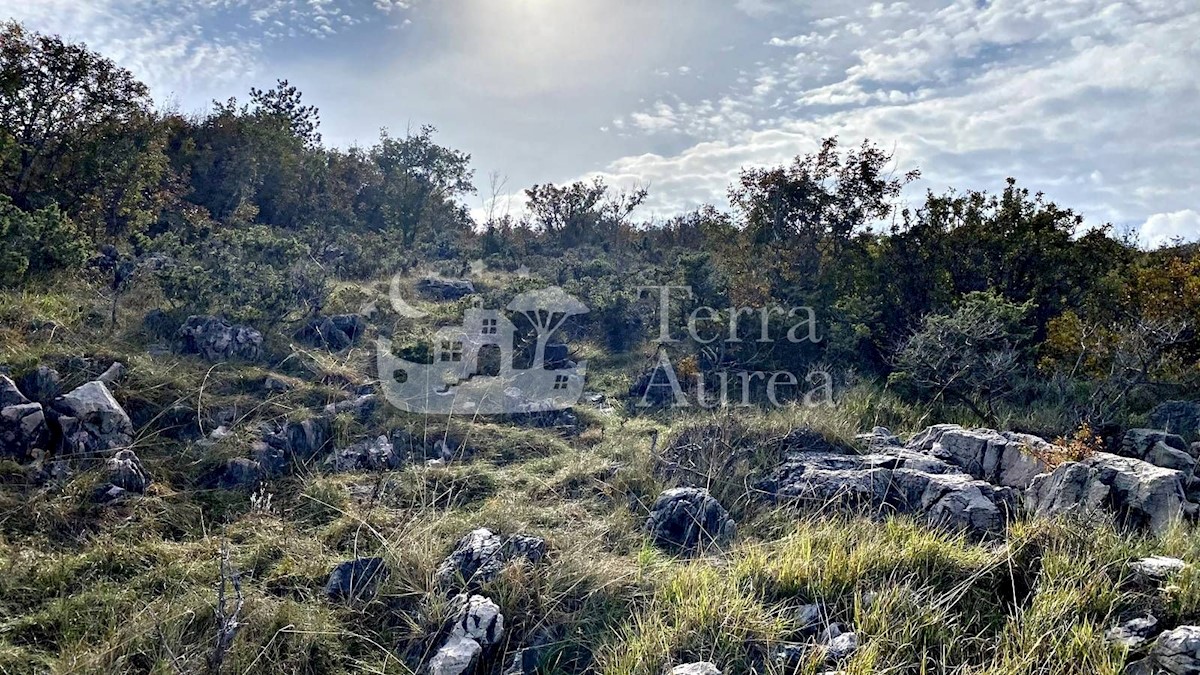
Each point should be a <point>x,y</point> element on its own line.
<point>968,299</point>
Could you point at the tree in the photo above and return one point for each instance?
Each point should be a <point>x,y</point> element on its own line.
<point>546,309</point>
<point>284,103</point>
<point>582,211</point>
<point>37,242</point>
<point>415,185</point>
<point>971,355</point>
<point>52,93</point>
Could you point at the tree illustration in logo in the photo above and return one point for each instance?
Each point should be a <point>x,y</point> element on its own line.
<point>547,309</point>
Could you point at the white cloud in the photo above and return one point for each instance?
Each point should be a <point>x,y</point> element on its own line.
<point>1165,228</point>
<point>1090,101</point>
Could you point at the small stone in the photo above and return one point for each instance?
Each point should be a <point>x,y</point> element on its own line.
<point>355,579</point>
<point>688,519</point>
<point>1133,633</point>
<point>697,668</point>
<point>1157,567</point>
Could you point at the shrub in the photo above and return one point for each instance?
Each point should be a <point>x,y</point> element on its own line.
<point>37,242</point>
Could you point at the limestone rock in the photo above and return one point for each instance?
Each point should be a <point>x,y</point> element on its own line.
<point>697,668</point>
<point>1137,492</point>
<point>23,430</point>
<point>376,455</point>
<point>445,289</point>
<point>477,626</point>
<point>687,519</point>
<point>1160,449</point>
<point>1001,459</point>
<point>42,385</point>
<point>355,579</point>
<point>481,555</point>
<point>215,339</point>
<point>92,421</point>
<point>9,393</point>
<point>1133,633</point>
<point>899,481</point>
<point>125,471</point>
<point>1157,567</point>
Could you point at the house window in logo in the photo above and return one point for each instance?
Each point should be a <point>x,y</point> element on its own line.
<point>560,381</point>
<point>489,327</point>
<point>452,350</point>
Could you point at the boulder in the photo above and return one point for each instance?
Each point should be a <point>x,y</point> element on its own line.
<point>239,473</point>
<point>376,455</point>
<point>334,333</point>
<point>23,430</point>
<point>1156,568</point>
<point>125,471</point>
<point>9,393</point>
<point>1177,417</point>
<point>1133,633</point>
<point>697,668</point>
<point>42,385</point>
<point>839,644</point>
<point>879,437</point>
<point>895,481</point>
<point>687,519</point>
<point>445,289</point>
<point>92,421</point>
<point>477,626</point>
<point>355,579</point>
<point>1001,459</point>
<point>1138,493</point>
<point>1160,449</point>
<point>215,339</point>
<point>1176,652</point>
<point>295,441</point>
<point>481,555</point>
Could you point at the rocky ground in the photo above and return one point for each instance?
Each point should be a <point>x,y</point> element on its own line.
<point>195,496</point>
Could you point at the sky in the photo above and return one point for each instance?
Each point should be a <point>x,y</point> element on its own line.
<point>1093,103</point>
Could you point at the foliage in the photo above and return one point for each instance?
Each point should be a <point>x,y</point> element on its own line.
<point>972,354</point>
<point>36,243</point>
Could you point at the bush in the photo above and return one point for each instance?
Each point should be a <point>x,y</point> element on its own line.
<point>38,242</point>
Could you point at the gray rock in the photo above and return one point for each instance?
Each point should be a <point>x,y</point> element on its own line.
<point>273,383</point>
<point>215,339</point>
<point>481,555</point>
<point>841,647</point>
<point>899,481</point>
<point>1157,567</point>
<point>1178,651</point>
<point>240,473</point>
<point>1002,459</point>
<point>1178,417</point>
<point>688,519</point>
<point>333,332</point>
<point>23,431</point>
<point>880,437</point>
<point>808,619</point>
<point>114,372</point>
<point>300,440</point>
<point>125,471</point>
<point>697,668</point>
<point>1160,449</point>
<point>477,626</point>
<point>1133,633</point>
<point>9,393</point>
<point>42,385</point>
<point>355,579</point>
<point>376,455</point>
<point>445,289</point>
<point>362,406</point>
<point>1137,492</point>
<point>92,421</point>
